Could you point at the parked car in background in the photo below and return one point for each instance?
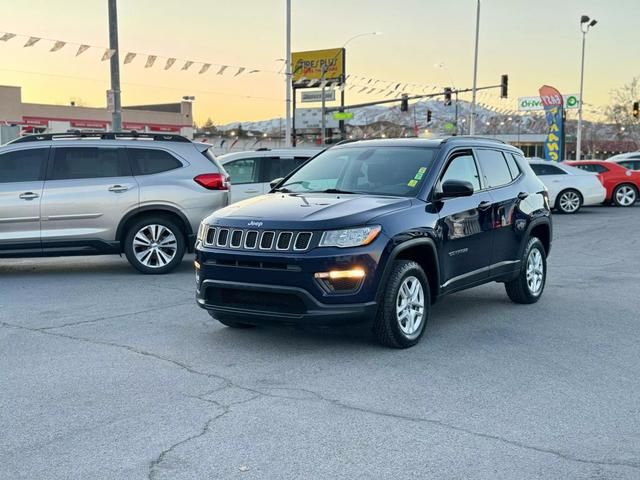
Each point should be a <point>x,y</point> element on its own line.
<point>621,183</point>
<point>251,172</point>
<point>569,188</point>
<point>629,160</point>
<point>107,193</point>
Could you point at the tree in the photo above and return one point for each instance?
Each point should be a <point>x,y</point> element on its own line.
<point>208,124</point>
<point>619,110</point>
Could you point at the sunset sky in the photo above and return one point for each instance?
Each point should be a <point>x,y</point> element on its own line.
<point>534,41</point>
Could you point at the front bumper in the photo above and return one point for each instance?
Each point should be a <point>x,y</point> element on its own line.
<point>261,303</point>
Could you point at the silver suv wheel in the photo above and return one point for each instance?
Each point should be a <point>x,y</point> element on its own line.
<point>155,246</point>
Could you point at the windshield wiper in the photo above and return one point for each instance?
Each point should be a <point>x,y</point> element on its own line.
<point>335,190</point>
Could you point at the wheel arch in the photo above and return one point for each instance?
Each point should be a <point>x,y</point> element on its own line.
<point>163,210</point>
<point>540,228</point>
<point>423,251</point>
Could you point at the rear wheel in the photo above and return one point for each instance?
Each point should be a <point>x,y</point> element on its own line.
<point>230,321</point>
<point>405,306</point>
<point>625,195</point>
<point>154,245</point>
<point>569,201</point>
<point>529,285</point>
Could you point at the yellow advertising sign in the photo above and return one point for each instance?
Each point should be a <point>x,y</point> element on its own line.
<point>308,65</point>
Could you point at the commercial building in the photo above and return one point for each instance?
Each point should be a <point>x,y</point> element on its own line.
<point>41,118</point>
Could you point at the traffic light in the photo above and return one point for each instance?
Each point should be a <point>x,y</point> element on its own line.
<point>636,110</point>
<point>504,86</point>
<point>447,96</point>
<point>428,116</point>
<point>404,103</point>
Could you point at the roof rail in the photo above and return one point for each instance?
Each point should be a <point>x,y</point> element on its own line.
<point>472,137</point>
<point>158,137</point>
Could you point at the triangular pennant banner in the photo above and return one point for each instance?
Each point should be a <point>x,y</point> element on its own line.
<point>32,41</point>
<point>6,37</point>
<point>169,64</point>
<point>240,70</point>
<point>362,89</point>
<point>222,69</point>
<point>57,46</point>
<point>82,49</point>
<point>186,65</point>
<point>128,58</point>
<point>108,53</point>
<point>204,68</point>
<point>151,59</point>
<point>254,71</point>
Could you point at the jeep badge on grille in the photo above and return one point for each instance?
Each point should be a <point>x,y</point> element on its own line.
<point>253,223</point>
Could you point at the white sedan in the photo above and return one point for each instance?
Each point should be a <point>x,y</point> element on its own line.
<point>569,188</point>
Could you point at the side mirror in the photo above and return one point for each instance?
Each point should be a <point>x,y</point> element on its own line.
<point>456,188</point>
<point>274,183</point>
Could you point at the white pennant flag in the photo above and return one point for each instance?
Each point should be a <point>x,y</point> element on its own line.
<point>108,53</point>
<point>32,41</point>
<point>57,46</point>
<point>204,68</point>
<point>362,89</point>
<point>6,37</point>
<point>151,59</point>
<point>82,49</point>
<point>186,65</point>
<point>128,58</point>
<point>169,64</point>
<point>342,87</point>
<point>254,71</point>
<point>222,69</point>
<point>240,70</point>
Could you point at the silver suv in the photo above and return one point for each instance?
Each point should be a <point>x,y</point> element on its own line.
<point>107,193</point>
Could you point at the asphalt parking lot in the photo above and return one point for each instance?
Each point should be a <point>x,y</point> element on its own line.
<point>109,374</point>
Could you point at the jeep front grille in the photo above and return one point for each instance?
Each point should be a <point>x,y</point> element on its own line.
<point>264,240</point>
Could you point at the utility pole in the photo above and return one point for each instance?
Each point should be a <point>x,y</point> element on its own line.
<point>116,122</point>
<point>323,110</point>
<point>287,133</point>
<point>585,24</point>
<point>472,124</point>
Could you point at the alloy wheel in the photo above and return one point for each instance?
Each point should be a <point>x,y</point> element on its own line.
<point>535,272</point>
<point>625,195</point>
<point>570,202</point>
<point>410,306</point>
<point>155,246</point>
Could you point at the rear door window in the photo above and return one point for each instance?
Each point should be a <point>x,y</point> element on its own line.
<point>147,161</point>
<point>88,162</point>
<point>23,165</point>
<point>244,170</point>
<point>494,167</point>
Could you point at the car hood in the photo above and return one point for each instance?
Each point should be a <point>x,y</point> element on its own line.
<point>313,211</point>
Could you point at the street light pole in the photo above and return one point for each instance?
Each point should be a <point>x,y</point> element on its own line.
<point>472,124</point>
<point>585,24</point>
<point>287,60</point>
<point>116,116</point>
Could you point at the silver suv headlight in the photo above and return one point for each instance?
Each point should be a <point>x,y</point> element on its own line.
<point>350,237</point>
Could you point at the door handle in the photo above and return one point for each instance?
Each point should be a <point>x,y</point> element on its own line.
<point>522,195</point>
<point>28,195</point>
<point>484,205</point>
<point>118,188</point>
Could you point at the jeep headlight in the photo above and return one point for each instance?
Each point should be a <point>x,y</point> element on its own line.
<point>350,237</point>
<point>201,232</point>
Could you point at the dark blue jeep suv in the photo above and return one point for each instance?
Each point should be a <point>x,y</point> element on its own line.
<point>378,230</point>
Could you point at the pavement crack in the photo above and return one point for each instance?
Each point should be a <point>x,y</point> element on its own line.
<point>111,317</point>
<point>155,465</point>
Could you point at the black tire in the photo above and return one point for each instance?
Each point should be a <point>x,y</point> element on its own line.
<point>159,268</point>
<point>629,188</point>
<point>387,328</point>
<point>230,321</point>
<point>520,290</point>
<point>572,196</point>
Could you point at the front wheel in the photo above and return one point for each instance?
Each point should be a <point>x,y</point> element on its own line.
<point>625,195</point>
<point>405,306</point>
<point>529,285</point>
<point>154,245</point>
<point>569,202</point>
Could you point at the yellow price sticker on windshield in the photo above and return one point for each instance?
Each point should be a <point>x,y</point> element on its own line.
<point>412,183</point>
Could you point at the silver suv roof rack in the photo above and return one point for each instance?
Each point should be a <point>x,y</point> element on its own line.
<point>158,137</point>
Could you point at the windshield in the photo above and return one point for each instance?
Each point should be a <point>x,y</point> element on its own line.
<point>396,171</point>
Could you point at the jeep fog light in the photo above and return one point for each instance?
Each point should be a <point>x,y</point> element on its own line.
<point>340,281</point>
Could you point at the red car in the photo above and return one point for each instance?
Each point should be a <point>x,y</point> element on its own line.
<point>622,185</point>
